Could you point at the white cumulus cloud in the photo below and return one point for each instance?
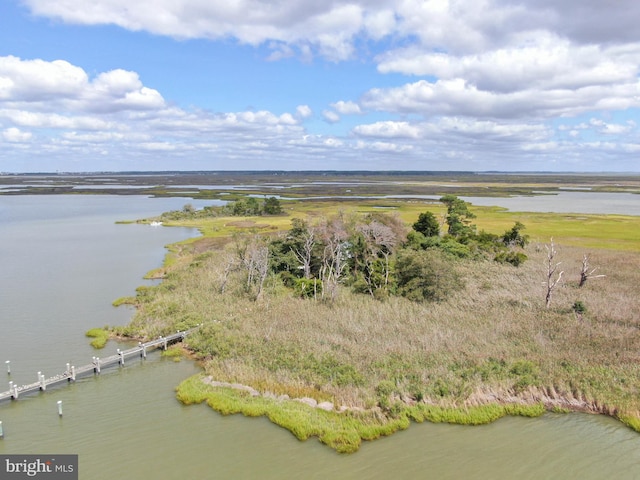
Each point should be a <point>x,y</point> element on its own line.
<point>13,134</point>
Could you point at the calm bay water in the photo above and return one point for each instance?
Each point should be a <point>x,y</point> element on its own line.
<point>605,203</point>
<point>64,261</point>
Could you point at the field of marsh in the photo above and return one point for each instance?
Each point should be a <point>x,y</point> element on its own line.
<point>359,366</point>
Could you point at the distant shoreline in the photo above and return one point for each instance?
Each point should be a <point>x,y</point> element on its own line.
<point>225,184</point>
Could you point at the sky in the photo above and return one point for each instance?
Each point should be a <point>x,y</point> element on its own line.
<point>428,85</point>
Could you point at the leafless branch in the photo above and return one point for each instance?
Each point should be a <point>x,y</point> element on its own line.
<point>305,253</point>
<point>552,280</point>
<point>586,272</point>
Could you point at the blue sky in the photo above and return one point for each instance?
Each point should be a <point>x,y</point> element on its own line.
<point>116,85</point>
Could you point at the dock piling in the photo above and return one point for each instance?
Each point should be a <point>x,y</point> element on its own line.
<point>60,408</point>
<point>1,431</point>
<point>8,363</point>
<point>71,372</point>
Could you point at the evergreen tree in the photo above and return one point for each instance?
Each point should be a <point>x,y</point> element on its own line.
<point>427,225</point>
<point>272,206</point>
<point>458,217</point>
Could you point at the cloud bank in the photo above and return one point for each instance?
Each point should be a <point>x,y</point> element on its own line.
<point>491,84</point>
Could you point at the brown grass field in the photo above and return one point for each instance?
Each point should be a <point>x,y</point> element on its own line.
<point>491,345</point>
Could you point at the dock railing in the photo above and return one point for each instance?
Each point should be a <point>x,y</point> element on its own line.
<point>97,364</point>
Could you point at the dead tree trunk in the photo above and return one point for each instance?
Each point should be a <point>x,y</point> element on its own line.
<point>254,258</point>
<point>262,268</point>
<point>305,253</point>
<point>552,280</point>
<point>229,267</point>
<point>586,272</point>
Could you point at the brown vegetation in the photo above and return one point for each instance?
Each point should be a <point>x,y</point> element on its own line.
<point>492,341</point>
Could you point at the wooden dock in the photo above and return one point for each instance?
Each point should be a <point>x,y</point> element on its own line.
<point>96,365</point>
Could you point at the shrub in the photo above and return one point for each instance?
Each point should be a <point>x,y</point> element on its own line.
<point>455,248</point>
<point>425,275</point>
<point>579,307</point>
<point>514,258</point>
<point>307,287</point>
<point>384,390</point>
<point>526,374</point>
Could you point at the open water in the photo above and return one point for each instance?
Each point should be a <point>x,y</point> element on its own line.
<point>63,260</point>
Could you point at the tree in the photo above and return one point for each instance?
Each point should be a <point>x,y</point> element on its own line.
<point>230,265</point>
<point>552,280</point>
<point>189,209</point>
<point>303,242</point>
<point>427,224</point>
<point>272,206</point>
<point>245,207</point>
<point>586,272</point>
<point>513,237</point>
<point>253,256</point>
<point>380,241</point>
<point>334,237</point>
<point>458,217</point>
<point>253,206</point>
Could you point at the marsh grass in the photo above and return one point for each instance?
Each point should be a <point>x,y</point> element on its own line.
<point>615,232</point>
<point>100,337</point>
<point>342,431</point>
<point>124,301</point>
<point>175,352</point>
<point>488,350</point>
<point>494,336</point>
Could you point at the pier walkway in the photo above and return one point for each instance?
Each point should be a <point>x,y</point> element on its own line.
<point>96,365</point>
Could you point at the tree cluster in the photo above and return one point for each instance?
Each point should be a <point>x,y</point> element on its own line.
<point>244,207</point>
<point>189,212</point>
<point>461,238</point>
<point>375,254</point>
<point>251,206</point>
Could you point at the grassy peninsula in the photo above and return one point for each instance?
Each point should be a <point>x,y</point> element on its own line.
<point>363,362</point>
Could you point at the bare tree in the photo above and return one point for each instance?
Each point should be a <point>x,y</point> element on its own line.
<point>253,255</point>
<point>304,253</point>
<point>334,257</point>
<point>552,280</point>
<point>261,266</point>
<point>380,241</point>
<point>231,264</point>
<point>586,272</point>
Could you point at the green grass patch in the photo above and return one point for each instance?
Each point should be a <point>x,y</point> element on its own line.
<point>614,232</point>
<point>100,337</point>
<point>631,421</point>
<point>175,352</point>
<point>124,301</point>
<point>477,415</point>
<point>345,431</point>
